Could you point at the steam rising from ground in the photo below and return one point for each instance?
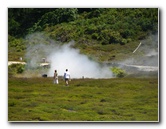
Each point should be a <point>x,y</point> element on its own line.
<point>66,57</point>
<point>62,57</point>
<point>147,54</point>
<point>145,59</point>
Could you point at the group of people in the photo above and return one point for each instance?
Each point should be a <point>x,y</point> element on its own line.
<point>66,77</point>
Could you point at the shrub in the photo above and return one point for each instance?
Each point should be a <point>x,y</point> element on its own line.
<point>118,72</point>
<point>14,69</point>
<point>95,36</point>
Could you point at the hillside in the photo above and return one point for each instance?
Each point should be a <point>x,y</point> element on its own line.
<point>97,32</point>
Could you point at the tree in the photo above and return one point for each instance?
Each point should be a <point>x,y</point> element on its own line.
<point>57,16</point>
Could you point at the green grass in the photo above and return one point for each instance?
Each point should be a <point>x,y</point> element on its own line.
<point>118,99</point>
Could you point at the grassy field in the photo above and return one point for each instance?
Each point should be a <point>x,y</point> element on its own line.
<point>116,99</point>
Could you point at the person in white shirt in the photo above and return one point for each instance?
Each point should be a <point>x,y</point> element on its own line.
<point>56,77</point>
<point>67,77</point>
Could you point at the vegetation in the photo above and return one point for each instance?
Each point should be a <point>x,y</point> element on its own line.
<point>118,72</point>
<point>88,27</point>
<point>118,99</point>
<point>15,69</point>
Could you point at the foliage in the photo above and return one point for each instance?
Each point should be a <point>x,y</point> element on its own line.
<point>128,22</point>
<point>14,69</point>
<point>54,17</point>
<point>16,43</point>
<point>24,18</point>
<point>16,48</point>
<point>88,26</point>
<point>118,72</point>
<point>111,26</point>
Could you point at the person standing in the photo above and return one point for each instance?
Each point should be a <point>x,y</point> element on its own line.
<point>67,77</point>
<point>56,77</point>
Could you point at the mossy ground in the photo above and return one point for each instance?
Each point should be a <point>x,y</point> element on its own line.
<point>116,99</point>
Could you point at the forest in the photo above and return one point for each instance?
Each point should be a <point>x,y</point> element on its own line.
<point>90,28</point>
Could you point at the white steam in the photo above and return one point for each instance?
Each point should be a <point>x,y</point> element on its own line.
<point>79,65</point>
<point>62,57</point>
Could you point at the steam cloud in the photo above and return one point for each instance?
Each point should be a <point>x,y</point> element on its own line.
<point>65,56</point>
<point>62,57</point>
<point>145,58</point>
